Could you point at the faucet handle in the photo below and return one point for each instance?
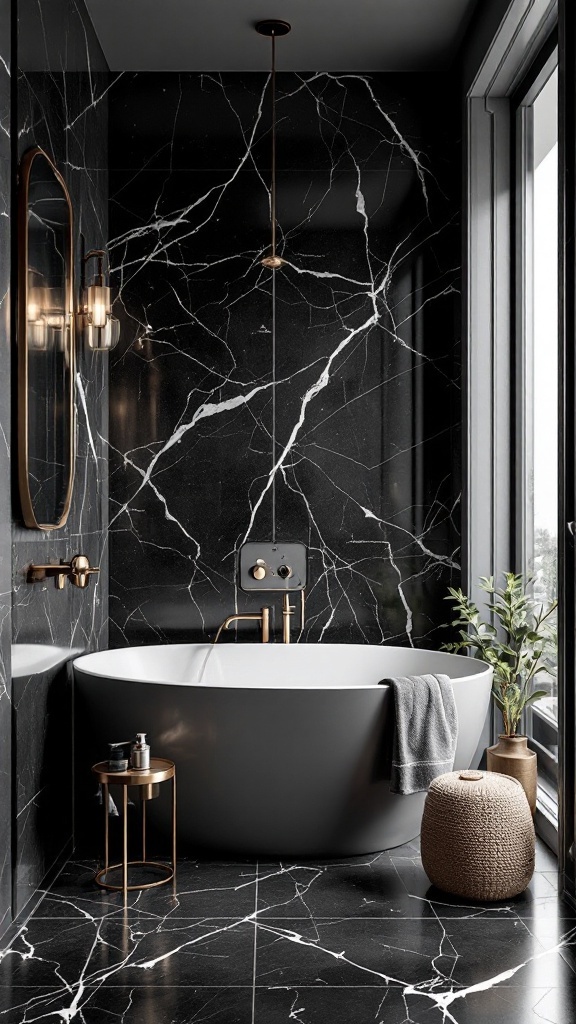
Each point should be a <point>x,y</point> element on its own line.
<point>81,570</point>
<point>259,570</point>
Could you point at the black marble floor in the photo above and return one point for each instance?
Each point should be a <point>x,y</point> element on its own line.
<point>358,941</point>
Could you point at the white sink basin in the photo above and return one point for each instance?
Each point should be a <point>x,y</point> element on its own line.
<point>31,659</point>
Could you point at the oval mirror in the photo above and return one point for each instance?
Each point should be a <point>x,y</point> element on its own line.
<point>46,429</point>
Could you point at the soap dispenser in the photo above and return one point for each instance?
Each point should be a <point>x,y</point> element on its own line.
<point>140,753</point>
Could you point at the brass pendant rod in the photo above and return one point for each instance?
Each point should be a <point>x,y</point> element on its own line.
<point>273,28</point>
<point>273,468</point>
<point>273,185</point>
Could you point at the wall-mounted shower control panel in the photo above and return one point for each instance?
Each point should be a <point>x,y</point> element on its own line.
<point>266,566</point>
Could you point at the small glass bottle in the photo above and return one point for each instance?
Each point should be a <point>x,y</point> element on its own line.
<point>118,756</point>
<point>140,753</point>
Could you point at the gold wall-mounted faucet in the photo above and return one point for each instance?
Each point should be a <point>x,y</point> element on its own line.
<point>288,611</point>
<point>263,618</point>
<point>78,570</point>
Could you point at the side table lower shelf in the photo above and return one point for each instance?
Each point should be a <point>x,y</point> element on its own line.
<point>161,770</point>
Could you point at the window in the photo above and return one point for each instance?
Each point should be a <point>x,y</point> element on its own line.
<point>537,356</point>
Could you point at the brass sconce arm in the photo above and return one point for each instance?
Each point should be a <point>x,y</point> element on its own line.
<point>78,571</point>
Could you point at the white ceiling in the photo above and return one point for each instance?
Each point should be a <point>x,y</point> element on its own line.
<point>327,35</point>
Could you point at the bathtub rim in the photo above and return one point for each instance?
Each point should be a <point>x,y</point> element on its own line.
<point>482,676</point>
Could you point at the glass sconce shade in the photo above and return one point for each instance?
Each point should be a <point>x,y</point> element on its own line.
<point>98,304</point>
<point>102,339</point>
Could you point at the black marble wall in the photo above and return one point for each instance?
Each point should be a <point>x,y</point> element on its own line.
<point>65,112</point>
<point>61,93</point>
<point>356,450</point>
<point>5,514</point>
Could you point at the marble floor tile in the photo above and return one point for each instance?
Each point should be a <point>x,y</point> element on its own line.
<point>354,941</point>
<point>383,886</point>
<point>136,951</point>
<point>203,889</point>
<point>165,1004</point>
<point>395,1006</point>
<point>409,952</point>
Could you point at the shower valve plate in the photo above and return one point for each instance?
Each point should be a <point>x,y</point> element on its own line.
<point>285,565</point>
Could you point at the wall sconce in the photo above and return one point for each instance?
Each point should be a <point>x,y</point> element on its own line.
<point>100,329</point>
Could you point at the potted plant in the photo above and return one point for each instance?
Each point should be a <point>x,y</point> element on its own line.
<point>518,644</point>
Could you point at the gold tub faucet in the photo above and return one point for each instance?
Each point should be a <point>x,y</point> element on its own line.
<point>288,610</point>
<point>263,617</point>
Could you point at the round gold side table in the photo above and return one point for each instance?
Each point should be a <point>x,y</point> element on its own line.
<point>161,770</point>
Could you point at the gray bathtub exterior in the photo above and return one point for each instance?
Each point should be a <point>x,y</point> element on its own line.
<point>268,763</point>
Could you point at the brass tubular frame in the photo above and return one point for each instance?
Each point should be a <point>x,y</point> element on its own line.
<point>161,771</point>
<point>143,805</point>
<point>174,830</point>
<point>106,826</point>
<point>125,842</point>
<point>28,513</point>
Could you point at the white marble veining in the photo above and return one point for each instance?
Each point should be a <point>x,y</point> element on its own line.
<point>333,419</point>
<point>364,939</point>
<point>57,104</point>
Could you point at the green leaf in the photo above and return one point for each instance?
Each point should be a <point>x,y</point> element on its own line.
<point>518,640</point>
<point>536,696</point>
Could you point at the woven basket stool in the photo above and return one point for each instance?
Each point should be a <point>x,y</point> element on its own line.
<point>478,835</point>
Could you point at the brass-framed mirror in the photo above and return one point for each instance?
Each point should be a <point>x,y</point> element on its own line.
<point>46,348</point>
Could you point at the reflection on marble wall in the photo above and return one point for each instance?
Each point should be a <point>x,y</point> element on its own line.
<point>356,451</point>
<point>62,107</point>
<point>43,784</point>
<point>5,515</point>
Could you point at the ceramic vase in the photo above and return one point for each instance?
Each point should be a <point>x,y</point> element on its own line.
<point>511,756</point>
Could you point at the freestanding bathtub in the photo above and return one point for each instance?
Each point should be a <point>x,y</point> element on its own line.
<point>280,750</point>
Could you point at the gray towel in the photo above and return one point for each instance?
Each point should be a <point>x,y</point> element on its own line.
<point>426,728</point>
